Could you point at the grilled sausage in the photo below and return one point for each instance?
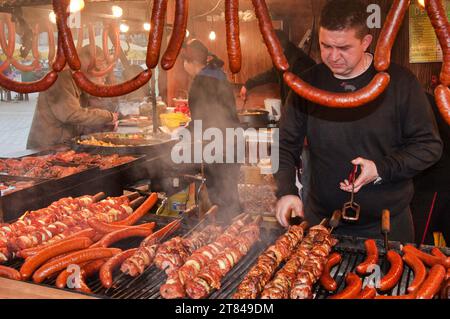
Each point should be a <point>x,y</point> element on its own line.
<point>270,38</point>
<point>368,293</point>
<point>106,228</point>
<point>140,212</point>
<point>326,280</point>
<point>78,257</point>
<point>232,29</point>
<point>111,90</point>
<point>339,100</point>
<point>178,35</point>
<point>107,269</point>
<point>60,60</point>
<point>394,19</point>
<point>352,289</point>
<point>430,287</point>
<point>29,87</point>
<point>442,96</point>
<point>419,270</point>
<point>10,273</point>
<point>371,257</point>
<point>395,272</point>
<point>156,34</point>
<point>118,235</point>
<point>429,260</point>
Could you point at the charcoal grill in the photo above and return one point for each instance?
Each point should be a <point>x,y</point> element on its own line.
<point>147,285</point>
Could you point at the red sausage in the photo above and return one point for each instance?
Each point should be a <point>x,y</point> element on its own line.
<point>438,18</point>
<point>368,293</point>
<point>352,290</point>
<point>442,96</point>
<point>8,272</point>
<point>118,235</point>
<point>70,51</point>
<point>371,258</point>
<point>111,90</point>
<point>60,60</point>
<point>107,269</point>
<point>326,280</point>
<point>269,36</point>
<point>29,87</point>
<point>156,33</point>
<point>432,284</point>
<point>178,35</point>
<point>339,100</point>
<point>429,260</point>
<point>395,272</point>
<point>140,211</point>
<point>8,48</point>
<point>35,52</point>
<point>386,39</point>
<point>232,29</point>
<point>419,269</point>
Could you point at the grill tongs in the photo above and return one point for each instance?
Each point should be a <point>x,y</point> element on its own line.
<point>351,209</point>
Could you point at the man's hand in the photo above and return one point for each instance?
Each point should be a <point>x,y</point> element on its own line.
<point>115,121</point>
<point>369,173</point>
<point>285,206</point>
<point>243,93</point>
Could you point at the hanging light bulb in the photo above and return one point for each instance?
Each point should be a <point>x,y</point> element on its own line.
<point>421,3</point>
<point>124,27</point>
<point>187,33</point>
<point>52,17</point>
<point>76,5</point>
<point>212,36</point>
<point>147,26</point>
<point>117,11</point>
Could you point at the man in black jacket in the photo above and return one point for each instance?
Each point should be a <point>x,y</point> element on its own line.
<point>391,139</point>
<point>298,60</point>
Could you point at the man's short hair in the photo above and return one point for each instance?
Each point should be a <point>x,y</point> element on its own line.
<point>338,15</point>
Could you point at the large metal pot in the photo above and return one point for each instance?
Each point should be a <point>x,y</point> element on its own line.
<point>254,118</point>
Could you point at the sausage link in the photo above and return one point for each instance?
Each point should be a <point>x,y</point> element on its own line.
<point>32,263</point>
<point>438,18</point>
<point>371,257</point>
<point>395,272</point>
<point>428,260</point>
<point>430,287</point>
<point>420,272</point>
<point>156,34</point>
<point>35,52</point>
<point>29,87</point>
<point>106,271</point>
<point>70,51</point>
<point>438,253</point>
<point>111,90</point>
<point>352,289</point>
<point>339,100</point>
<point>60,60</point>
<point>270,38</point>
<point>120,234</point>
<point>178,34</point>
<point>232,29</point>
<point>106,228</point>
<point>326,280</point>
<point>442,96</point>
<point>394,19</point>
<point>408,296</point>
<point>8,48</point>
<point>140,212</point>
<point>77,258</point>
<point>10,273</point>
<point>368,293</point>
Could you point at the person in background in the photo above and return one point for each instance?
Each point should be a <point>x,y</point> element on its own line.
<point>298,60</point>
<point>211,100</point>
<point>390,140</point>
<point>59,113</point>
<point>431,201</point>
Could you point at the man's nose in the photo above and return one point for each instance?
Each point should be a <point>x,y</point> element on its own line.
<point>334,55</point>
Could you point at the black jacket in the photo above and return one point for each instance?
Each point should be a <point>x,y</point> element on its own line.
<point>298,60</point>
<point>397,131</point>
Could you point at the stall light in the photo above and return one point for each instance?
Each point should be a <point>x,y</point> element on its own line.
<point>187,33</point>
<point>124,28</point>
<point>212,36</point>
<point>52,17</point>
<point>147,26</point>
<point>76,5</point>
<point>117,11</point>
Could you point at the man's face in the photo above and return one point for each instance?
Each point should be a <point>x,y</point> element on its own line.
<point>342,51</point>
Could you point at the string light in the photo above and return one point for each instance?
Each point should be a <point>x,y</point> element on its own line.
<point>117,11</point>
<point>52,17</point>
<point>212,36</point>
<point>124,27</point>
<point>147,26</point>
<point>76,5</point>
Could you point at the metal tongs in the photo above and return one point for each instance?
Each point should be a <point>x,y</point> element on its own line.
<point>351,209</point>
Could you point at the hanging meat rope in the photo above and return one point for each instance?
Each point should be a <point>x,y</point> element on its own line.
<point>60,9</point>
<point>156,33</point>
<point>438,17</point>
<point>382,61</point>
<point>8,48</point>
